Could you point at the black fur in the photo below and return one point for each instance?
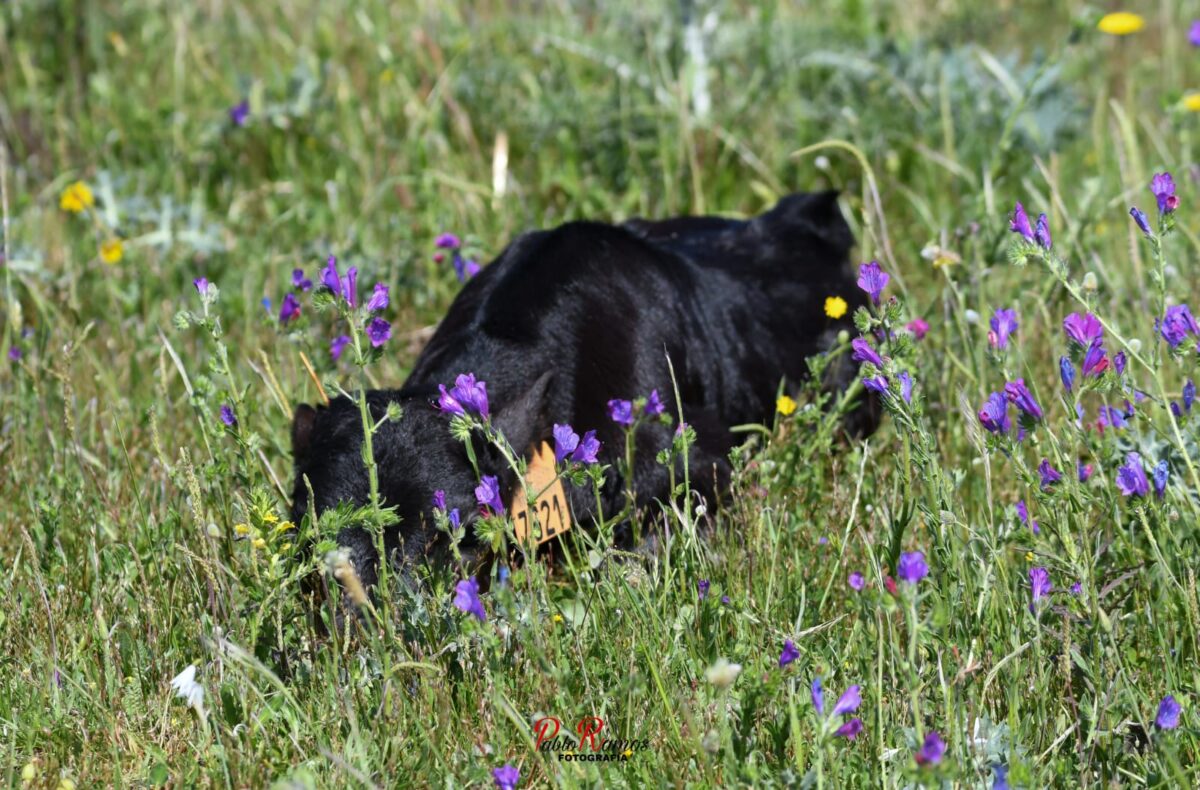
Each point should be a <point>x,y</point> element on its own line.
<point>565,320</point>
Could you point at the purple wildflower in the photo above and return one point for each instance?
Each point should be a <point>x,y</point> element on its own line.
<point>227,415</point>
<point>14,354</point>
<point>466,598</point>
<point>266,303</point>
<point>725,600</point>
<point>1143,222</point>
<point>447,241</point>
<point>621,411</point>
<point>1111,417</point>
<point>906,386</point>
<point>654,404</point>
<point>1019,394</point>
<point>919,328</point>
<point>848,702</point>
<point>350,286</point>
<point>565,441</point>
<point>379,331</point>
<point>702,588</point>
<point>1095,362</point>
<point>1168,713</point>
<point>1049,475</point>
<point>1040,585</point>
<point>864,353</point>
<point>1004,324</point>
<point>789,654</point>
<point>818,696</point>
<point>1018,222</point>
<point>1085,471</point>
<point>337,345</point>
<point>912,567</point>
<point>1194,33</point>
<point>201,284</point>
<point>1163,187</point>
<point>1177,324</point>
<point>1083,329</point>
<point>439,499</point>
<point>1076,589</point>
<point>856,581</point>
<point>1131,478</point>
<point>487,494</point>
<point>1066,371</point>
<point>289,309</point>
<point>454,519</point>
<point>300,281</point>
<point>993,415</point>
<point>1119,361</point>
<point>331,278</point>
<point>470,268</point>
<point>1023,514</point>
<point>379,299</point>
<point>876,384</point>
<point>872,279</point>
<point>239,112</point>
<point>999,777</point>
<point>506,777</point>
<point>932,751</point>
<point>1041,233</point>
<point>1189,394</point>
<point>1161,470</point>
<point>468,394</point>
<point>586,452</point>
<point>850,729</point>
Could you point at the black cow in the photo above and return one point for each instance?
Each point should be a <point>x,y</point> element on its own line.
<point>567,319</point>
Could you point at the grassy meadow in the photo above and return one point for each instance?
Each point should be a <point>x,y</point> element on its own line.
<point>147,144</point>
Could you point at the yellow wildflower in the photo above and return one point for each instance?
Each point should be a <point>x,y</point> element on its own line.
<point>76,198</point>
<point>284,526</point>
<point>258,543</point>
<point>1191,102</point>
<point>241,529</point>
<point>835,306</point>
<point>269,517</point>
<point>558,618</point>
<point>1120,23</point>
<point>112,251</point>
<point>785,405</point>
<point>1029,556</point>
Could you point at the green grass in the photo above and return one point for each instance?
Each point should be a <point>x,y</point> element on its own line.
<point>374,128</point>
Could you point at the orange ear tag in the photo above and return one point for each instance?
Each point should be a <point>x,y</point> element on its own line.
<point>551,515</point>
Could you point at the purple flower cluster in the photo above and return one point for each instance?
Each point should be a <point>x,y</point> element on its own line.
<point>568,444</point>
<point>1039,584</point>
<point>439,503</point>
<point>848,703</point>
<point>464,268</point>
<point>912,567</point>
<point>466,598</point>
<point>467,395</point>
<point>1177,325</point>
<point>872,279</point>
<point>1018,222</point>
<point>1004,324</point>
<point>932,750</point>
<point>487,494</point>
<point>622,411</point>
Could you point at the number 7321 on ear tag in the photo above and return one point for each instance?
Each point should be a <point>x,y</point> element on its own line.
<point>550,512</point>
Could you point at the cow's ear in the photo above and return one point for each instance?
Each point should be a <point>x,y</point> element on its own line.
<point>302,430</point>
<point>522,420</point>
